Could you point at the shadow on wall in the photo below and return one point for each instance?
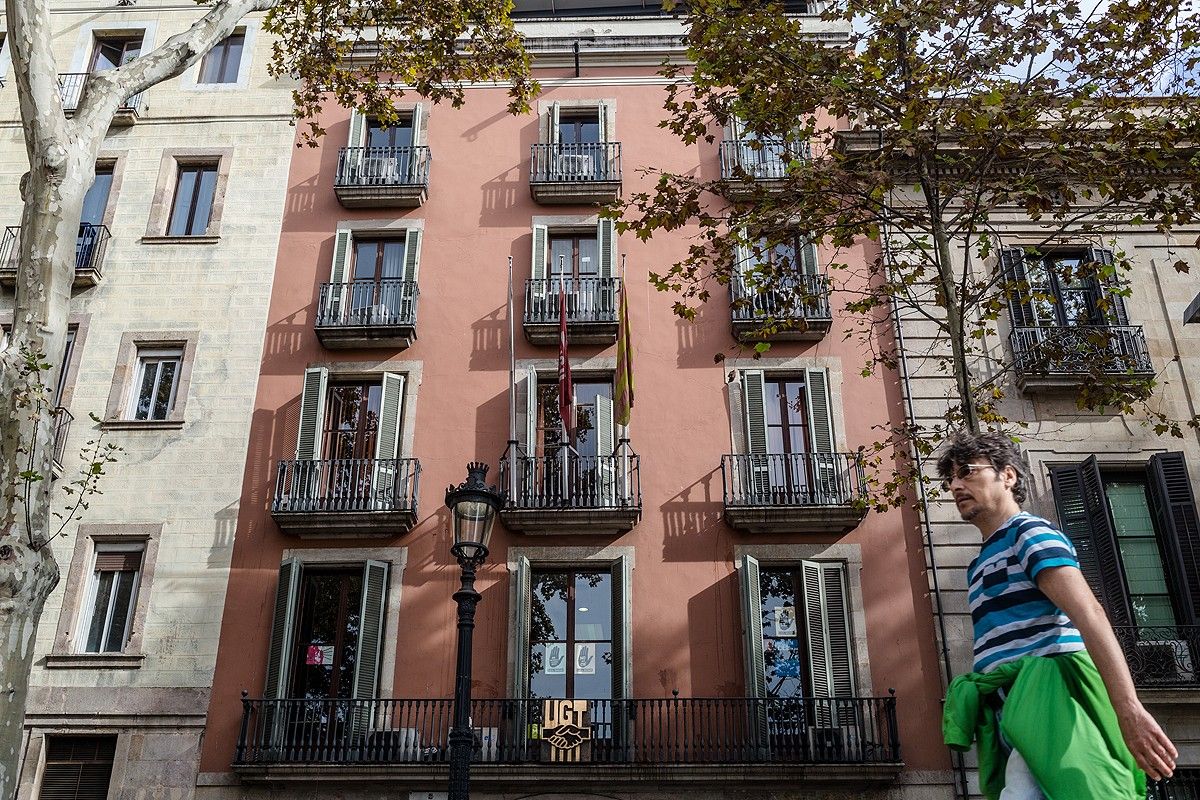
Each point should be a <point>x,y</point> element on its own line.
<point>302,198</point>
<point>500,195</point>
<point>691,518</point>
<point>710,631</point>
<point>697,342</point>
<point>489,338</point>
<point>284,339</point>
<point>221,551</point>
<point>491,432</point>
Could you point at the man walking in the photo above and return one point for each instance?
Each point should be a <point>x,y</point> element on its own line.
<point>1051,701</point>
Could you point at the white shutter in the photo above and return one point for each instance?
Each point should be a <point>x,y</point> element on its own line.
<point>606,245</point>
<point>417,112</point>
<point>757,482</point>
<point>527,408</point>
<point>602,117</point>
<point>828,627</point>
<point>358,128</point>
<point>537,267</point>
<point>412,253</point>
<point>820,429</point>
<point>339,291</point>
<point>312,414</point>
<point>552,132</point>
<point>752,628</point>
<point>606,464</point>
<point>387,441</point>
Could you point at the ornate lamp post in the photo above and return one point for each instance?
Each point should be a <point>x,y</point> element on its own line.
<point>473,505</point>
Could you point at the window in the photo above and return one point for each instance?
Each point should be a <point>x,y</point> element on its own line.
<point>580,253</point>
<point>95,202</point>
<point>384,154</point>
<point>372,279</point>
<point>221,64</point>
<point>1063,288</point>
<point>398,135</point>
<point>570,639</point>
<point>377,259</point>
<point>352,419</point>
<point>112,597</point>
<point>64,369</point>
<point>195,187</point>
<point>579,126</point>
<point>326,649</point>
<point>573,255</point>
<point>593,417</point>
<point>156,385</point>
<point>798,639</point>
<point>77,767</point>
<point>115,51</point>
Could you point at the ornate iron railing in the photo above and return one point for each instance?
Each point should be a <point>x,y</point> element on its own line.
<point>761,159</point>
<point>1183,785</point>
<point>369,303</point>
<point>580,162</point>
<point>842,730</point>
<point>382,166</point>
<point>565,480</point>
<point>793,479</point>
<point>1162,655</point>
<point>1081,350</point>
<point>71,86</point>
<point>60,427</point>
<point>588,299</point>
<point>89,247</point>
<point>787,297</point>
<point>346,484</point>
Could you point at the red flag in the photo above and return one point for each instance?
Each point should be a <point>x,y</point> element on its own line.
<point>566,387</point>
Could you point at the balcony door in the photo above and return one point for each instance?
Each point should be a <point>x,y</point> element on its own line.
<point>790,457</point>
<point>115,51</point>
<point>382,154</point>
<point>325,650</point>
<point>95,203</point>
<point>352,419</point>
<point>578,135</point>
<point>581,261</point>
<point>372,279</point>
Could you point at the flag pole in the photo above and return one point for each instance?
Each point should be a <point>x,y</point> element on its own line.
<point>512,390</point>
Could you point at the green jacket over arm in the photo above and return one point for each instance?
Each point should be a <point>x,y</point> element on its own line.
<point>1058,716</point>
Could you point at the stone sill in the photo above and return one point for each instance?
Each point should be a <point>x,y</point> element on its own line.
<point>180,239</point>
<point>141,424</point>
<point>95,660</point>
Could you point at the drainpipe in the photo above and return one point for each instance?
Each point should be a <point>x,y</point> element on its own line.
<point>960,767</point>
<point>575,47</point>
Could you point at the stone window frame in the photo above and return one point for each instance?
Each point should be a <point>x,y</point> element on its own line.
<point>780,367</point>
<point>164,193</point>
<point>91,31</point>
<point>190,80</point>
<point>116,160</point>
<point>82,322</point>
<point>63,653</point>
<point>545,119</point>
<point>397,560</point>
<point>849,555</point>
<point>582,556</point>
<point>125,373</point>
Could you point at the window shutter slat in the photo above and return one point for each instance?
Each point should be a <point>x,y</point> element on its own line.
<point>282,625</point>
<point>387,440</point>
<point>606,241</point>
<point>312,414</point>
<point>537,267</point>
<point>412,254</point>
<point>605,446</point>
<point>602,120</point>
<point>1083,515</point>
<point>820,416</point>
<point>341,256</point>
<point>808,257</point>
<point>1175,509</point>
<point>118,561</point>
<point>1012,263</point>
<point>524,601</point>
<point>833,577</point>
<point>527,408</point>
<point>370,642</point>
<point>622,672</point>
<point>552,134</point>
<point>752,628</point>
<point>417,113</point>
<point>820,669</point>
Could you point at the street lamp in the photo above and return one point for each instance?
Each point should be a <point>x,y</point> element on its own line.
<point>473,504</point>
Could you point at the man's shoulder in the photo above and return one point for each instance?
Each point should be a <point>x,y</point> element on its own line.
<point>1025,523</point>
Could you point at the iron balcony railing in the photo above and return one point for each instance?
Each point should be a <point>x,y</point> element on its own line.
<point>1162,655</point>
<point>842,730</point>
<point>566,480</point>
<point>71,86</point>
<point>382,166</point>
<point>60,427</point>
<point>793,479</point>
<point>335,485</point>
<point>387,302</point>
<point>761,159</point>
<point>89,247</point>
<point>588,299</point>
<point>1183,785</point>
<point>791,296</point>
<point>1081,350</point>
<point>577,162</point>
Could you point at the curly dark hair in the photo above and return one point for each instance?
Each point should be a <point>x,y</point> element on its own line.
<point>999,451</point>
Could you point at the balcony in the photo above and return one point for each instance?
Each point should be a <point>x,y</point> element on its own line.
<point>1183,785</point>
<point>89,254</point>
<point>382,177</point>
<point>1054,358</point>
<point>573,494</point>
<point>587,172</point>
<point>371,313</point>
<point>753,165</point>
<point>794,308</point>
<point>346,497</point>
<point>575,744</point>
<point>72,85</point>
<point>591,310</point>
<point>1162,657</point>
<point>794,493</point>
<point>60,428</point>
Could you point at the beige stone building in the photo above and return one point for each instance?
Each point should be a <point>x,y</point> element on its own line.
<point>174,263</point>
<point>1124,494</point>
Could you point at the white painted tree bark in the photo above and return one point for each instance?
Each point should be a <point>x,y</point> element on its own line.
<point>62,155</point>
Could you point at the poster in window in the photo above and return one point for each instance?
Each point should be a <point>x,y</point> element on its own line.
<point>319,655</point>
<point>785,621</point>
<point>556,658</point>
<point>585,659</point>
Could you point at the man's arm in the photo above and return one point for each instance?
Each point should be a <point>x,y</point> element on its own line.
<point>1067,589</point>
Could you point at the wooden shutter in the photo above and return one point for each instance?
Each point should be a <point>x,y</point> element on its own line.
<point>387,441</point>
<point>412,253</point>
<point>1084,516</point>
<point>622,631</point>
<point>527,408</point>
<point>552,124</point>
<point>537,267</point>
<point>602,118</point>
<point>742,257</point>
<point>417,112</point>
<point>283,625</point>
<point>339,292</point>
<point>1174,508</point>
<point>1012,264</point>
<point>820,414</point>
<point>118,560</point>
<point>827,622</point>
<point>77,767</point>
<point>606,246</point>
<point>312,414</point>
<point>808,257</point>
<point>370,630</point>
<point>1116,313</point>
<point>752,628</point>
<point>522,602</point>
<point>605,446</point>
<point>754,395</point>
<point>358,128</point>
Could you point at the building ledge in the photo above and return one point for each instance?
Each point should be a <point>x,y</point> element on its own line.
<point>94,660</point>
<point>568,192</point>
<point>84,278</point>
<point>346,524</point>
<point>1052,382</point>
<point>794,519</point>
<point>154,239</point>
<point>748,330</point>
<point>343,337</point>
<point>546,333</point>
<point>573,521</point>
<point>400,195</point>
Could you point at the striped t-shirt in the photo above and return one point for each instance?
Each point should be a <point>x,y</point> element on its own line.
<point>1011,616</point>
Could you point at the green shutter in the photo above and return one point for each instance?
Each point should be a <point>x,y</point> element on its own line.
<point>527,408</point>
<point>754,396</point>
<point>622,635</point>
<point>412,253</point>
<point>820,416</point>
<point>752,628</point>
<point>522,602</point>
<point>312,414</point>
<point>827,625</point>
<point>283,625</point>
<point>1084,516</point>
<point>1175,513</point>
<point>339,292</point>
<point>808,257</point>
<point>370,646</point>
<point>1012,265</point>
<point>537,267</point>
<point>606,245</point>
<point>358,128</point>
<point>387,441</point>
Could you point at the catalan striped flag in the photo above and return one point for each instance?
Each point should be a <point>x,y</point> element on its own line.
<point>566,386</point>
<point>623,392</point>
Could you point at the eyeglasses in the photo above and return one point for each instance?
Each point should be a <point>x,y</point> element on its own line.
<point>962,472</point>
